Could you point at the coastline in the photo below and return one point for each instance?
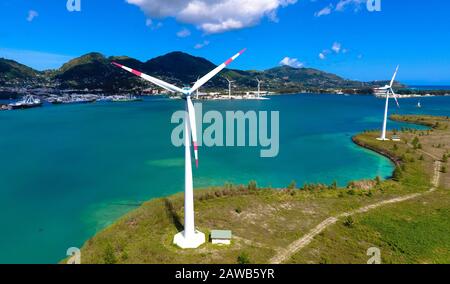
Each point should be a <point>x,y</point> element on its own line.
<point>396,160</point>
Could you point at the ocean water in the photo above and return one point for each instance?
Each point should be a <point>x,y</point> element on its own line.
<point>68,171</point>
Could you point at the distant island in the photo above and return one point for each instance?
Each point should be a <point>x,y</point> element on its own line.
<point>93,73</point>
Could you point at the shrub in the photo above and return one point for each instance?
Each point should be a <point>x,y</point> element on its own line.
<point>415,141</point>
<point>238,210</point>
<point>398,173</point>
<point>444,158</point>
<point>292,185</point>
<point>243,258</point>
<point>252,185</point>
<point>378,180</point>
<point>109,256</point>
<point>349,222</point>
<point>334,185</point>
<point>444,169</point>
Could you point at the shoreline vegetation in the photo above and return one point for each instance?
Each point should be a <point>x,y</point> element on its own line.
<point>401,216</point>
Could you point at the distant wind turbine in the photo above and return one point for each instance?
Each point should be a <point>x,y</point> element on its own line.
<point>190,237</point>
<point>229,87</point>
<point>259,86</point>
<point>388,89</point>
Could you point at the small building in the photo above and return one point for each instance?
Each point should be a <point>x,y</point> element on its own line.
<point>396,138</point>
<point>221,237</point>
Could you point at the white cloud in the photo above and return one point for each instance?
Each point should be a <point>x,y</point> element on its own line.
<point>336,47</point>
<point>184,33</point>
<point>213,16</point>
<point>341,6</point>
<point>325,11</point>
<point>154,26</point>
<point>31,15</point>
<point>293,62</point>
<point>201,45</point>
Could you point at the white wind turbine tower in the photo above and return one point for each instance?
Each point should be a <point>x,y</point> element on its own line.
<point>229,87</point>
<point>190,237</point>
<point>388,89</point>
<point>259,87</point>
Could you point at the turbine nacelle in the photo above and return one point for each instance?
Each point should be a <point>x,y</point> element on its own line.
<point>185,91</point>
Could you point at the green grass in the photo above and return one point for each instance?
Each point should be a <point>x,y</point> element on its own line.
<point>416,231</point>
<point>269,219</point>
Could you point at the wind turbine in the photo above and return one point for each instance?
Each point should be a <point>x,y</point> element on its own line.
<point>388,89</point>
<point>190,237</point>
<point>229,87</point>
<point>259,86</point>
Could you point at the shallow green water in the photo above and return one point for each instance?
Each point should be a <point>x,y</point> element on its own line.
<point>68,171</point>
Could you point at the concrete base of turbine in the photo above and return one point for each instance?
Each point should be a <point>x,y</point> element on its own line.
<point>193,242</point>
<point>383,139</point>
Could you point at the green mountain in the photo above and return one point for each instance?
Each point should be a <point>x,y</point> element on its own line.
<point>11,70</point>
<point>95,71</point>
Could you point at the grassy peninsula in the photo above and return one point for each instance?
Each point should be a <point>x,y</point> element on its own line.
<point>406,217</point>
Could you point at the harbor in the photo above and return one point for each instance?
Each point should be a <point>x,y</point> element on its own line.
<point>33,101</point>
<point>28,101</point>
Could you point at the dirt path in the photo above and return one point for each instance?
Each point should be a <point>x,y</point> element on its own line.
<point>299,244</point>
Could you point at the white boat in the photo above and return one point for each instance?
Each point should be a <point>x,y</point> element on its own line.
<point>125,98</point>
<point>29,101</point>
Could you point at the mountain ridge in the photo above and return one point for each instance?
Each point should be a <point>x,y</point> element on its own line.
<point>95,71</point>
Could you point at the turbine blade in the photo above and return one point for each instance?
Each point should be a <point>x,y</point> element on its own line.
<point>393,78</point>
<point>151,79</point>
<point>193,126</point>
<point>395,97</point>
<point>214,72</point>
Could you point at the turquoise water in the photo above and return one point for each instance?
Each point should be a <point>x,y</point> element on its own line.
<point>69,171</point>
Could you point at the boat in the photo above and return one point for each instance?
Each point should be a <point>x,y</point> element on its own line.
<point>419,105</point>
<point>29,101</point>
<point>73,99</point>
<point>125,98</point>
<point>4,107</point>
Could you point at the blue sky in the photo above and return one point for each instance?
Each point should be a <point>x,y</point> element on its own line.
<point>339,36</point>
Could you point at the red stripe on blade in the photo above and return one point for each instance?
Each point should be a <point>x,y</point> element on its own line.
<point>135,72</point>
<point>228,61</point>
